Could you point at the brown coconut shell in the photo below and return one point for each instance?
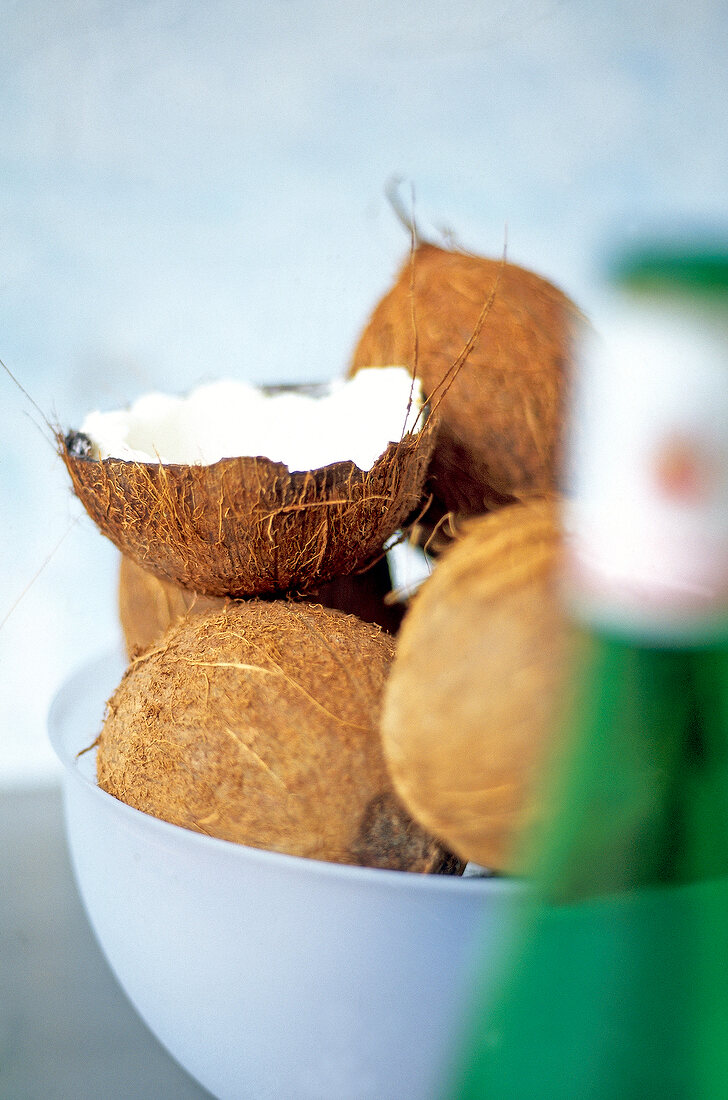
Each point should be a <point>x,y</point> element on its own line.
<point>259,724</point>
<point>491,343</point>
<point>249,526</point>
<point>469,713</point>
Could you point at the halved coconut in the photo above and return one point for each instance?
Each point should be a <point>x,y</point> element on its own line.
<point>491,343</point>
<point>241,523</point>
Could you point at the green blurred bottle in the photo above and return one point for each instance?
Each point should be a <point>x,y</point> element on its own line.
<point>617,983</point>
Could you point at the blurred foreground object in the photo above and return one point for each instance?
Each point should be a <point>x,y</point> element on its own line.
<point>618,982</point>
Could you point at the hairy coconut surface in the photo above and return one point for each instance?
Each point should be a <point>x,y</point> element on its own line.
<point>491,343</point>
<point>249,526</point>
<point>470,704</point>
<point>259,724</point>
<point>148,606</point>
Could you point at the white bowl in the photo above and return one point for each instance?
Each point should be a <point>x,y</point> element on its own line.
<point>267,975</point>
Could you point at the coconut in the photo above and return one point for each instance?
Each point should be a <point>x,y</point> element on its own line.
<point>255,524</point>
<point>469,711</point>
<point>368,595</point>
<point>259,724</point>
<point>491,343</point>
<point>148,606</point>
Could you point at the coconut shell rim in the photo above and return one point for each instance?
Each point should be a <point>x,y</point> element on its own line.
<point>339,466</point>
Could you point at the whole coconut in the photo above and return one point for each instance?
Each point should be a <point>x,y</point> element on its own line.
<point>470,704</point>
<point>148,605</point>
<point>259,724</point>
<point>491,343</point>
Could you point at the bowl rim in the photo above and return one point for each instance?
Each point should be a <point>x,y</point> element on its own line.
<point>68,749</point>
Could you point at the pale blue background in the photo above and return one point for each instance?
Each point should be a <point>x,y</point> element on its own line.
<point>196,190</point>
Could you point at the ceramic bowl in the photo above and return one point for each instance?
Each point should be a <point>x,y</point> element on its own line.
<point>266,975</point>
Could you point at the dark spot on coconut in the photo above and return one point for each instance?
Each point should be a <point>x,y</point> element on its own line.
<point>386,826</point>
<point>78,445</point>
<point>451,865</point>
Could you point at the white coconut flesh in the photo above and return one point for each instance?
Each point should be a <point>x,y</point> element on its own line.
<point>349,419</point>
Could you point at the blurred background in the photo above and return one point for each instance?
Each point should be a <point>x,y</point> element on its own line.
<point>193,191</point>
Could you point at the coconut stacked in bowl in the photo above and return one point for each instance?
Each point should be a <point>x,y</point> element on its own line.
<point>254,708</point>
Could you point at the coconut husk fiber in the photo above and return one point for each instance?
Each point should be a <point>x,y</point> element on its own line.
<point>148,606</point>
<point>491,343</point>
<point>249,526</point>
<point>259,724</point>
<point>469,710</point>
